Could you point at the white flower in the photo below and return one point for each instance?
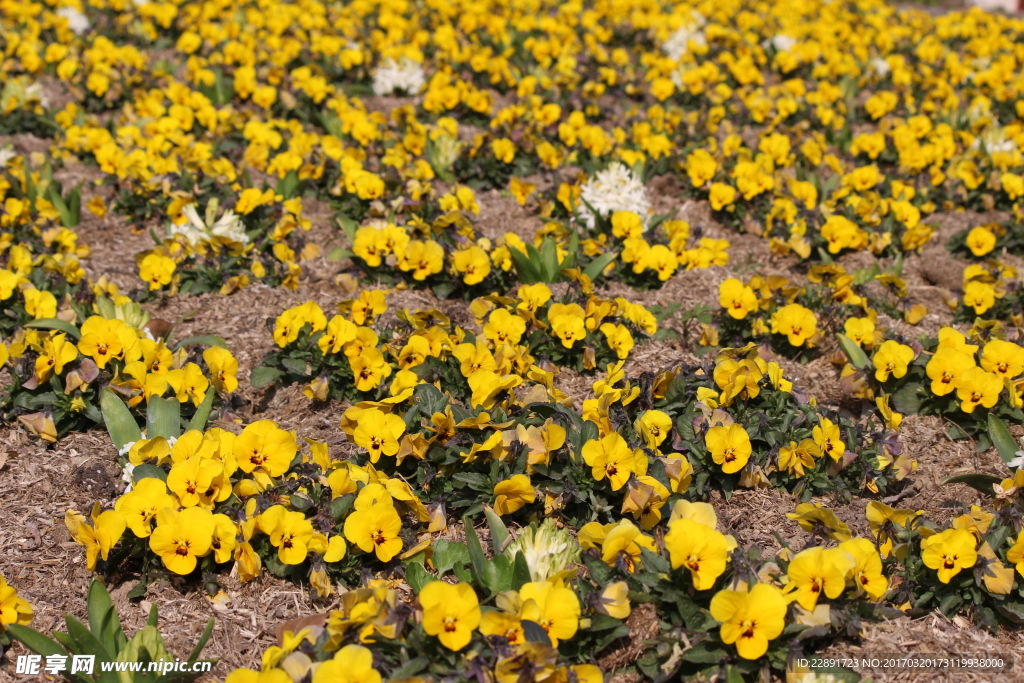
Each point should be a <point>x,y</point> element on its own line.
<point>995,140</point>
<point>195,230</point>
<point>614,189</point>
<point>129,469</point>
<point>406,76</point>
<point>547,549</point>
<point>6,154</point>
<point>678,43</point>
<point>123,451</point>
<point>35,92</point>
<point>783,43</point>
<point>879,66</point>
<point>77,22</point>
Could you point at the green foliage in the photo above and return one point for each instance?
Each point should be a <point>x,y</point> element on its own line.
<point>106,641</point>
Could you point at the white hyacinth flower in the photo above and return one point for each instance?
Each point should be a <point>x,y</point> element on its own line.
<point>6,154</point>
<point>614,189</point>
<point>783,43</point>
<point>77,21</point>
<point>405,76</point>
<point>547,549</point>
<point>195,229</point>
<point>678,44</point>
<point>879,66</point>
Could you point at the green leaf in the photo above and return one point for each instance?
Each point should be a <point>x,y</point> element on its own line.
<point>207,632</point>
<point>85,641</point>
<point>118,419</point>
<point>417,576</point>
<point>103,620</point>
<point>596,267</point>
<point>204,339</point>
<point>202,414</point>
<point>1001,438</point>
<point>449,553</point>
<point>286,186</point>
<point>349,227</point>
<point>338,254</point>
<point>163,417</point>
<point>534,632</point>
<point>499,532</point>
<point>549,260</point>
<point>520,572</point>
<point>853,351</point>
<point>525,270</point>
<point>977,481</point>
<point>908,399</point>
<point>148,471</point>
<point>262,376</point>
<point>35,641</point>
<point>55,324</point>
<point>478,560</point>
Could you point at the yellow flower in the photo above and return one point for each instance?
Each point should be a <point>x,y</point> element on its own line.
<point>614,600</point>
<point>722,196</point>
<point>700,548</point>
<point>980,241</point>
<point>619,339</point>
<point>264,449</point>
<point>99,538</point>
<point>553,606</point>
<point>1003,358</point>
<point>422,257</point>
<point>1016,554</point>
<point>610,457</point>
<point>504,150</point>
<point>949,552</point>
<point>796,322</point>
<point>157,270</point>
<point>978,388</point>
<point>369,369</point>
<point>521,190</point>
<point>861,331</point>
<point>816,572</point>
<point>13,610</point>
<point>180,538</point>
<point>450,612</point>
<point>487,386</point>
<point>57,352</point>
<point>892,358</point>
<point>826,435</point>
<point>750,619</point>
<point>729,446</point>
<point>736,298</point>
<point>40,304</point>
<point>513,493</point>
<point>567,323</point>
<point>867,571</point>
<point>378,433</point>
<point>140,505</point>
<point>350,664</point>
<point>621,545</point>
<point>376,529</point>
<point>223,367</point>
<point>797,458</point>
<point>290,532</point>
<point>472,263</point>
<point>654,426</point>
<point>191,479</point>
<point>946,368</point>
<point>980,296</point>
<point>504,327</point>
<point>189,383</point>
